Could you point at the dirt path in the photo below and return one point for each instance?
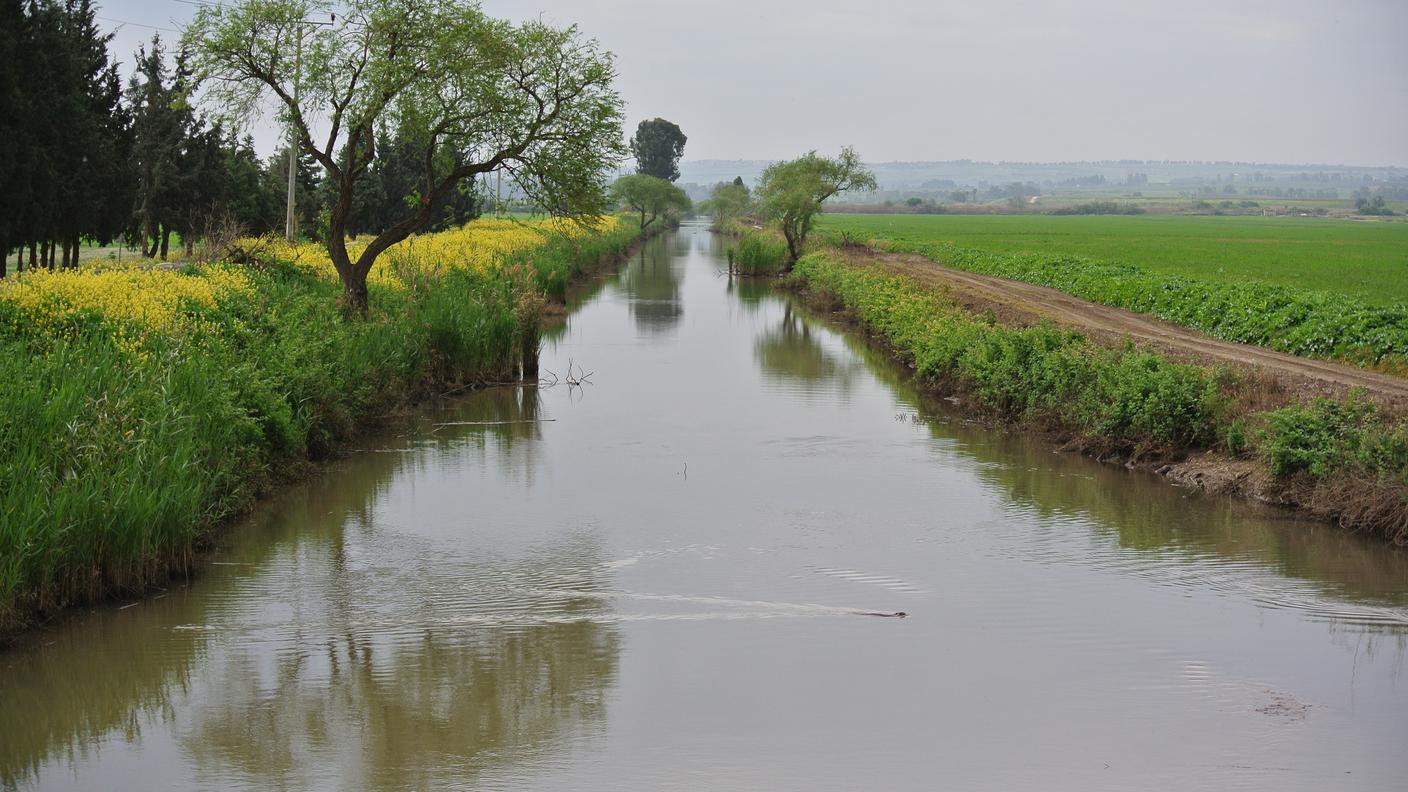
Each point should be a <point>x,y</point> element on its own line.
<point>1024,303</point>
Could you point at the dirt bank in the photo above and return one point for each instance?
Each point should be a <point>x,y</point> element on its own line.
<point>1014,302</point>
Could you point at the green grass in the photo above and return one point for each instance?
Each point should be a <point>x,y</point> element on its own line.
<point>1305,322</point>
<point>1350,461</point>
<point>1365,260</point>
<point>758,253</point>
<point>117,461</point>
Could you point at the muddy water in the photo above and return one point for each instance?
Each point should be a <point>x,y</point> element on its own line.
<point>653,581</point>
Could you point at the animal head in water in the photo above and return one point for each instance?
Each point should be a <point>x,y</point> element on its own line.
<point>901,614</point>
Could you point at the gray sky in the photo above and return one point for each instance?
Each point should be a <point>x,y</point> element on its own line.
<point>1298,81</point>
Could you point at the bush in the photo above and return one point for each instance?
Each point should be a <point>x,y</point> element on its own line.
<point>1132,400</point>
<point>1326,436</point>
<point>760,253</point>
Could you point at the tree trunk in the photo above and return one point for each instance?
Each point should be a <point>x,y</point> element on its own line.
<point>165,241</point>
<point>150,231</point>
<point>190,247</point>
<point>791,247</point>
<point>32,258</point>
<point>354,293</point>
<point>4,256</point>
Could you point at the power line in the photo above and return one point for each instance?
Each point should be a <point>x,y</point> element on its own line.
<point>135,24</point>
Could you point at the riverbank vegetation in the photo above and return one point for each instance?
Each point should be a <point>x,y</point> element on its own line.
<point>143,406</point>
<point>1346,461</point>
<point>789,196</point>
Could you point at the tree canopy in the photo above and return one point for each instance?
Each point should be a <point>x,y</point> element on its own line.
<point>471,93</point>
<point>728,200</point>
<point>792,192</point>
<point>658,145</point>
<point>651,197</point>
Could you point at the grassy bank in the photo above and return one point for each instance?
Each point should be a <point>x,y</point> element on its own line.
<point>752,250</point>
<point>1342,460</point>
<point>143,407</point>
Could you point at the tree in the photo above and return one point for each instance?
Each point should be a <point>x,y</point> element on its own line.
<point>15,153</point>
<point>64,160</point>
<point>476,95</point>
<point>792,192</point>
<point>727,201</point>
<point>162,122</point>
<point>253,201</point>
<point>649,195</point>
<point>658,145</point>
<point>1365,205</point>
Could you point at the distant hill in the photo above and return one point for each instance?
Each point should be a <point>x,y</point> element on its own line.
<point>1101,176</point>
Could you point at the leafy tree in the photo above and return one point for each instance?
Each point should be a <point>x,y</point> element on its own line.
<point>792,192</point>
<point>652,197</point>
<point>162,124</point>
<point>253,201</point>
<point>1366,205</point>
<point>727,201</point>
<point>476,94</point>
<point>64,156</point>
<point>658,145</point>
<point>16,151</point>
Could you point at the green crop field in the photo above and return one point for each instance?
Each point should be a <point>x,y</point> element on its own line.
<point>1365,260</point>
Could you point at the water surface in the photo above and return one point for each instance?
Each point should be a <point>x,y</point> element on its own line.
<point>653,581</point>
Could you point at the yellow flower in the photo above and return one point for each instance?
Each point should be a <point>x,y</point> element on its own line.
<point>136,301</point>
<point>483,245</point>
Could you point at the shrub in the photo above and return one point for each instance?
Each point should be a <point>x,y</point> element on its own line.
<point>760,253</point>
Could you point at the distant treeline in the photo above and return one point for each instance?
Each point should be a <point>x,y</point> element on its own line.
<point>86,158</point>
<point>1099,208</point>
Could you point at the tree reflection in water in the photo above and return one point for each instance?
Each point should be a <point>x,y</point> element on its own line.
<point>792,352</point>
<point>326,644</point>
<point>652,284</point>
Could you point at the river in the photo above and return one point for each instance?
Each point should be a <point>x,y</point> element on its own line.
<point>657,580</point>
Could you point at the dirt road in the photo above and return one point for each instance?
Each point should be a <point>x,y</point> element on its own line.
<point>1024,303</point>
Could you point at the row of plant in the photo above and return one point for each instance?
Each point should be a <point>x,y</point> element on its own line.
<point>1132,401</point>
<point>1299,322</point>
<point>144,406</point>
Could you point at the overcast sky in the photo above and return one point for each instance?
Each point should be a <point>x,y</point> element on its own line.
<point>1298,81</point>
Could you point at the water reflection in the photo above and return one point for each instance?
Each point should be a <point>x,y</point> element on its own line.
<point>326,651</point>
<point>651,283</point>
<point>1140,524</point>
<point>790,351</point>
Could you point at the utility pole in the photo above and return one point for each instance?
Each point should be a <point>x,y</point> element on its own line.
<point>290,217</point>
<point>290,222</point>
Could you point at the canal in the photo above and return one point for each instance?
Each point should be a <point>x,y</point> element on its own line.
<point>666,576</point>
